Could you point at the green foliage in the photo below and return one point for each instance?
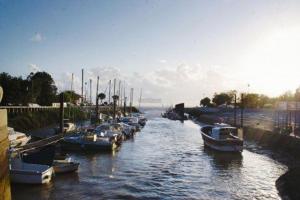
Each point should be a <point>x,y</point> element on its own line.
<point>70,96</point>
<point>205,102</point>
<point>37,88</point>
<point>101,96</point>
<point>251,100</point>
<point>15,90</point>
<point>222,98</point>
<point>297,94</point>
<point>287,96</point>
<point>44,89</point>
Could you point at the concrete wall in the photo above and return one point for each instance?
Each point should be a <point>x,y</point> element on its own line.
<point>287,143</point>
<point>4,170</point>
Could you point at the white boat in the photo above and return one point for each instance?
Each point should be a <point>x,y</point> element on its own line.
<point>132,121</point>
<point>17,138</point>
<point>222,137</point>
<point>68,126</point>
<point>64,166</point>
<point>21,172</point>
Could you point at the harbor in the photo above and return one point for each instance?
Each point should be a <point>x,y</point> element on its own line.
<point>165,160</point>
<point>146,100</point>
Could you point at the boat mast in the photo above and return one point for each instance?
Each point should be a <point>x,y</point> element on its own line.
<point>140,100</point>
<point>109,88</point>
<point>82,81</point>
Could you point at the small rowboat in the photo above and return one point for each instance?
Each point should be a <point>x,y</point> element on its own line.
<point>63,166</point>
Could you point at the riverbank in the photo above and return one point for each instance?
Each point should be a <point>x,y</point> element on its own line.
<point>287,184</point>
<point>28,121</point>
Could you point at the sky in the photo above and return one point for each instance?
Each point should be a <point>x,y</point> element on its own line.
<point>175,50</point>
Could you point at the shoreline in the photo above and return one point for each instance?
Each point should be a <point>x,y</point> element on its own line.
<point>288,184</point>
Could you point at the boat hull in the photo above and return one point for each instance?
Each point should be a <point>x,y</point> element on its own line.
<point>25,173</point>
<point>73,144</point>
<point>65,167</point>
<point>223,145</point>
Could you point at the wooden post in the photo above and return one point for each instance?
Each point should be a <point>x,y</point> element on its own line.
<point>131,100</point>
<point>125,98</point>
<point>119,93</point>
<point>61,113</point>
<point>97,105</point>
<point>4,145</point>
<point>115,105</point>
<point>234,114</point>
<point>109,89</point>
<point>82,81</point>
<point>91,91</point>
<point>242,110</point>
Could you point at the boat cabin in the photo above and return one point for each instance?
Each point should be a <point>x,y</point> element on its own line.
<point>223,132</point>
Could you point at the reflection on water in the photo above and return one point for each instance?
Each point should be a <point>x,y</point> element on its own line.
<point>224,160</point>
<point>166,160</point>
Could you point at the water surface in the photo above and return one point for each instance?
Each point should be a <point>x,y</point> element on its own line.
<point>166,160</point>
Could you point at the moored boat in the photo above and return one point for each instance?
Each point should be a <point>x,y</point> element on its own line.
<point>89,142</point>
<point>222,137</point>
<point>21,172</point>
<point>17,139</point>
<point>64,166</point>
<point>69,126</point>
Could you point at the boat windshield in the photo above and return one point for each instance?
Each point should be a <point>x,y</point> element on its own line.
<point>224,132</point>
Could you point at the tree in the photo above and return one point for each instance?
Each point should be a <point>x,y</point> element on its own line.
<point>43,88</point>
<point>287,96</point>
<point>297,94</point>
<point>251,100</point>
<point>222,98</point>
<point>101,96</point>
<point>15,90</point>
<point>71,96</point>
<point>205,102</point>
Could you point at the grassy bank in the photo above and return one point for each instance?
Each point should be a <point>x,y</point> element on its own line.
<point>27,121</point>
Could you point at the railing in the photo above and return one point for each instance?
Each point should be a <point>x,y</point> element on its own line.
<point>21,109</point>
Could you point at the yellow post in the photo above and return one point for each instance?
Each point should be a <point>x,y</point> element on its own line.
<point>241,133</point>
<point>4,145</point>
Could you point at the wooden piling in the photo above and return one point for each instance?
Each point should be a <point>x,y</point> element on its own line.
<point>242,110</point>
<point>234,114</point>
<point>4,145</point>
<point>61,113</point>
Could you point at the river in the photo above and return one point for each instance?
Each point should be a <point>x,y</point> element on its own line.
<point>166,160</point>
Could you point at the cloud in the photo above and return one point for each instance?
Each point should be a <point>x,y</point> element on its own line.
<point>34,68</point>
<point>163,61</point>
<point>182,83</point>
<point>37,37</point>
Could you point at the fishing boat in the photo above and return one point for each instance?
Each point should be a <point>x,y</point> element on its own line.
<point>222,137</point>
<point>64,166</point>
<point>21,172</point>
<point>17,139</point>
